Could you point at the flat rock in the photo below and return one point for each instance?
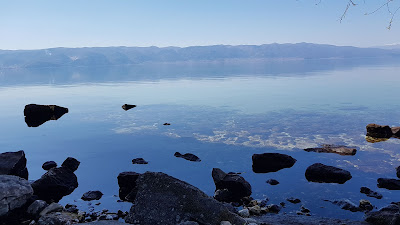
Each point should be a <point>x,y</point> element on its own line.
<point>370,193</point>
<point>55,184</point>
<point>139,161</point>
<point>234,186</point>
<point>337,149</point>
<point>271,162</point>
<point>71,163</point>
<point>379,131</point>
<point>346,205</point>
<point>36,115</point>
<point>126,183</point>
<point>14,193</point>
<point>92,195</point>
<point>127,107</point>
<point>321,173</point>
<point>162,199</point>
<point>187,156</point>
<point>53,207</point>
<point>390,184</point>
<point>13,163</point>
<point>48,165</point>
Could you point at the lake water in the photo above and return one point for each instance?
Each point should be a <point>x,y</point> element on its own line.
<point>223,112</point>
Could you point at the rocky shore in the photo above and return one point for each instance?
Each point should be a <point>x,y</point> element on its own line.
<point>158,198</point>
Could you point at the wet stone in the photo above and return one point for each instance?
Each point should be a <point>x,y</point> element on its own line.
<point>139,161</point>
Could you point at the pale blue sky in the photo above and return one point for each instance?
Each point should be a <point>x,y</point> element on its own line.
<point>28,24</point>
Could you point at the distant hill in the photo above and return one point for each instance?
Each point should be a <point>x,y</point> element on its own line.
<point>104,56</point>
<point>390,47</point>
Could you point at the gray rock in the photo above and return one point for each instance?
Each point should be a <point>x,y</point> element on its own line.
<point>225,223</point>
<point>14,193</point>
<point>396,131</point>
<point>321,173</point>
<point>58,218</point>
<point>13,163</point>
<point>36,207</point>
<point>274,208</point>
<point>390,184</point>
<point>53,207</point>
<point>379,131</point>
<point>389,215</point>
<point>234,187</point>
<point>55,184</point>
<point>71,164</point>
<point>271,162</point>
<point>244,213</point>
<point>48,165</point>
<point>162,199</point>
<point>337,149</point>
<point>92,195</point>
<point>365,205</point>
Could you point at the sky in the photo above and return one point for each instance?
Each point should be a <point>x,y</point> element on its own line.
<point>40,24</point>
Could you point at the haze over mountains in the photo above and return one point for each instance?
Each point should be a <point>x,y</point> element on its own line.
<point>105,56</point>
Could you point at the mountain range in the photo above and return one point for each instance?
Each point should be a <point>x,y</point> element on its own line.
<point>106,56</point>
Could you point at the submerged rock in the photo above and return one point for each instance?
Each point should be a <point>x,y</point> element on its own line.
<point>230,187</point>
<point>346,205</point>
<point>14,193</point>
<point>390,184</point>
<point>338,149</point>
<point>389,215</point>
<point>379,131</point>
<point>126,183</point>
<point>127,107</point>
<point>92,195</point>
<point>166,124</point>
<point>139,161</point>
<point>370,193</point>
<point>272,182</point>
<point>321,173</point>
<point>187,156</point>
<point>293,200</point>
<point>162,199</point>
<point>48,165</point>
<point>36,115</point>
<point>55,184</point>
<point>13,163</point>
<point>271,162</point>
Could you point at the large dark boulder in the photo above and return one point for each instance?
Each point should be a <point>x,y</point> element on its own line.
<point>126,183</point>
<point>71,164</point>
<point>271,162</point>
<point>379,131</point>
<point>36,115</point>
<point>14,193</point>
<point>55,184</point>
<point>234,186</point>
<point>321,173</point>
<point>188,156</point>
<point>338,149</point>
<point>13,163</point>
<point>390,184</point>
<point>389,215</point>
<point>162,199</point>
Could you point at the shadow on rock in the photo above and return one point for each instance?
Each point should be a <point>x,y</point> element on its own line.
<point>36,115</point>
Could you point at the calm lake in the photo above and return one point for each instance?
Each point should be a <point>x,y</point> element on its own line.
<point>223,112</point>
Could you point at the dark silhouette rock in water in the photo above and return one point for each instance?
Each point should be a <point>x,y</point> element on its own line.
<point>162,199</point>
<point>230,187</point>
<point>13,163</point>
<point>166,124</point>
<point>36,115</point>
<point>139,161</point>
<point>14,193</point>
<point>338,149</point>
<point>271,162</point>
<point>321,173</point>
<point>370,193</point>
<point>389,215</point>
<point>92,195</point>
<point>187,156</point>
<point>390,184</point>
<point>126,183</point>
<point>379,131</point>
<point>57,182</point>
<point>272,182</point>
<point>48,165</point>
<point>127,107</point>
<point>398,171</point>
<point>71,163</point>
